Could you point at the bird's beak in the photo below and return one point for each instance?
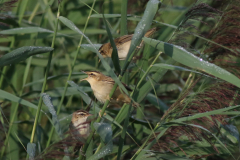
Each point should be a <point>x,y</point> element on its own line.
<point>84,78</point>
<point>84,72</point>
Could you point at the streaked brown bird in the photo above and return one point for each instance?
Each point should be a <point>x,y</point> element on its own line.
<point>80,125</point>
<point>102,86</point>
<point>123,44</point>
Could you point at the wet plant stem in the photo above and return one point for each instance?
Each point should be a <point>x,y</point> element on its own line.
<point>70,73</point>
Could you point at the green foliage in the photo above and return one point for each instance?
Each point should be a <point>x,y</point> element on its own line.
<point>185,79</point>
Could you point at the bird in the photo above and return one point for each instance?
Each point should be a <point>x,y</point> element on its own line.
<point>80,125</point>
<point>123,44</point>
<point>102,86</point>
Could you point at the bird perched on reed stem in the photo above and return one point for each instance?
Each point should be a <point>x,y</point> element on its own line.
<point>80,126</point>
<point>102,86</point>
<point>123,44</point>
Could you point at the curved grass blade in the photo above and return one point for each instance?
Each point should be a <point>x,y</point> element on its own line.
<point>24,30</point>
<point>108,15</point>
<point>114,57</point>
<point>48,103</point>
<point>157,102</point>
<point>11,97</point>
<point>147,87</point>
<point>21,54</point>
<point>178,68</point>
<point>199,115</point>
<point>90,47</point>
<point>55,121</point>
<point>54,78</point>
<point>123,27</point>
<point>141,29</point>
<point>72,26</point>
<point>184,57</point>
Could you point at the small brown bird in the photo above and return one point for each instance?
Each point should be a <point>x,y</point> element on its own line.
<point>123,44</point>
<point>102,86</point>
<point>80,126</point>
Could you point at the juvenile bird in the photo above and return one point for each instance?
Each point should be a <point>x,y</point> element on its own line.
<point>123,44</point>
<point>102,86</point>
<point>80,126</point>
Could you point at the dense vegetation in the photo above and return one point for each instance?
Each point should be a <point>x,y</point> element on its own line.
<point>185,79</point>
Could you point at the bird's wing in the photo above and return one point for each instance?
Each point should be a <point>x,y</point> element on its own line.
<point>123,39</point>
<point>111,81</point>
<point>151,31</point>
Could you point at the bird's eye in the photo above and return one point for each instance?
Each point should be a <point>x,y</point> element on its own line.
<point>91,74</point>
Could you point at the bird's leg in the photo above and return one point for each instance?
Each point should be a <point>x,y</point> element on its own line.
<point>103,114</point>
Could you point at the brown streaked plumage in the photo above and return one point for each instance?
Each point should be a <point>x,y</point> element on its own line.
<point>123,44</point>
<point>79,126</point>
<point>102,86</point>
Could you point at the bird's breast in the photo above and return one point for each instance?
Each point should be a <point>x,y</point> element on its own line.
<point>102,90</point>
<point>123,50</point>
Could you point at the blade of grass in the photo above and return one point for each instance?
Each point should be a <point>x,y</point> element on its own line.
<point>123,30</point>
<point>21,54</point>
<point>115,58</point>
<point>199,115</point>
<point>122,137</point>
<point>142,27</point>
<point>25,30</point>
<point>184,57</point>
<point>22,9</point>
<point>4,70</point>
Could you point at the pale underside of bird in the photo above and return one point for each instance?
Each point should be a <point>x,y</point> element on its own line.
<point>102,86</point>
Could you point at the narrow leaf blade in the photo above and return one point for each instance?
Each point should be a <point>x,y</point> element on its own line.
<point>115,58</point>
<point>21,54</point>
<point>184,57</point>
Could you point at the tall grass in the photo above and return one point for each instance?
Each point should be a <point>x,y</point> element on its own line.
<point>185,79</point>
